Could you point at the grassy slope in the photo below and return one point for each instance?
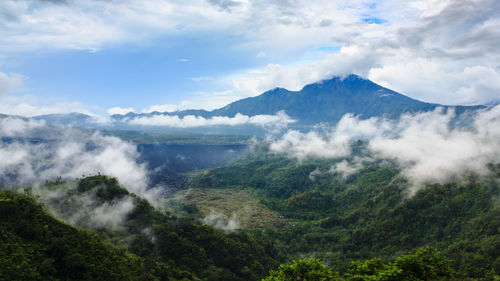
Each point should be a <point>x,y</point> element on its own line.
<point>240,205</point>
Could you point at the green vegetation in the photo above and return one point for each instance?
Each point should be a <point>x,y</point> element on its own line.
<point>298,210</point>
<point>369,214</point>
<point>35,246</point>
<point>239,204</point>
<point>422,265</point>
<point>181,243</point>
<point>310,270</point>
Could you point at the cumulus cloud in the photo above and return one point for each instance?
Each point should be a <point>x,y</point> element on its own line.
<point>424,145</point>
<point>120,110</point>
<point>437,51</point>
<point>445,84</point>
<point>332,144</point>
<point>350,59</point>
<point>344,168</point>
<point>9,82</point>
<point>189,121</point>
<point>33,106</point>
<point>160,108</point>
<point>427,148</point>
<point>34,24</point>
<point>70,156</point>
<point>444,53</point>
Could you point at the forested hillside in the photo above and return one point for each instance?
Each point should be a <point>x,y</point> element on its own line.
<point>357,225</point>
<point>36,246</point>
<point>128,221</point>
<point>370,213</point>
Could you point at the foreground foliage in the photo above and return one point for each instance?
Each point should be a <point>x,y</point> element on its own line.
<point>310,270</point>
<point>424,264</point>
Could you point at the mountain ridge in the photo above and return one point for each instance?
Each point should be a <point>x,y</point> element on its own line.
<point>325,101</point>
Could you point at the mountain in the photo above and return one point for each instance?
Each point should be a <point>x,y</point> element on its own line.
<point>73,118</point>
<point>324,102</point>
<point>329,100</point>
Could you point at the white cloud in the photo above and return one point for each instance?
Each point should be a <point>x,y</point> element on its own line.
<point>32,106</point>
<point>438,51</point>
<point>220,221</point>
<point>120,110</point>
<point>111,215</point>
<point>160,108</point>
<point>34,24</point>
<point>424,144</point>
<point>202,78</point>
<point>446,84</point>
<point>333,144</point>
<point>9,82</point>
<point>445,53</point>
<point>70,156</point>
<point>350,59</point>
<point>345,168</point>
<point>428,150</point>
<point>12,126</point>
<point>189,121</point>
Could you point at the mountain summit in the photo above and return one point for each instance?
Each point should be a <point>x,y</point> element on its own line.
<point>328,100</point>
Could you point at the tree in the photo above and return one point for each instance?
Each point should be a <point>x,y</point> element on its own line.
<point>423,265</point>
<point>373,270</point>
<point>303,270</point>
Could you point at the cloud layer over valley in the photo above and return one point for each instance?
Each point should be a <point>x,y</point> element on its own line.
<point>280,119</point>
<point>69,155</point>
<point>424,145</point>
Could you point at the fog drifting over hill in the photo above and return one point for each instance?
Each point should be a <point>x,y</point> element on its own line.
<point>425,145</point>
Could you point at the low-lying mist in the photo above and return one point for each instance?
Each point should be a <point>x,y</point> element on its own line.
<point>29,161</point>
<point>426,146</point>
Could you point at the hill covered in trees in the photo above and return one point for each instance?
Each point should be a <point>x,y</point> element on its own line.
<point>148,244</point>
<point>93,228</point>
<point>369,213</point>
<point>37,246</point>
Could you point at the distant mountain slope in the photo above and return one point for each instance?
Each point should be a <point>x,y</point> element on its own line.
<point>73,118</point>
<point>329,100</point>
<point>325,101</point>
<point>322,102</point>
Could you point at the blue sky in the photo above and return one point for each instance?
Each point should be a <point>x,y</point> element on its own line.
<point>93,56</point>
<point>130,75</point>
